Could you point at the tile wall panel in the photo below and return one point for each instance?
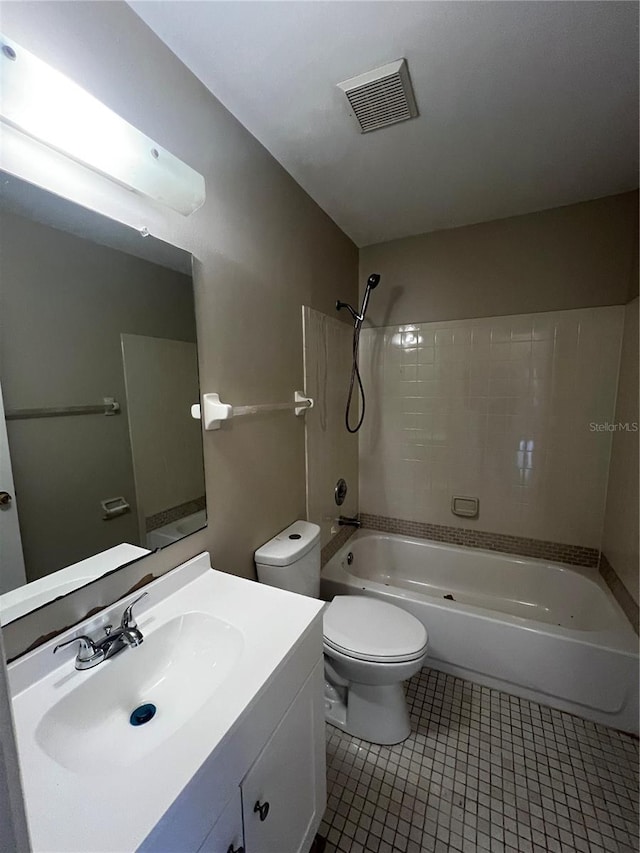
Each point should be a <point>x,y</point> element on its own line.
<point>331,452</point>
<point>499,408</point>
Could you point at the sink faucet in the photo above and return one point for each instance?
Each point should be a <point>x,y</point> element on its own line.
<point>346,520</point>
<point>93,652</point>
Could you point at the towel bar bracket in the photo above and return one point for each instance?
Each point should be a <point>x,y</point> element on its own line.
<point>213,411</point>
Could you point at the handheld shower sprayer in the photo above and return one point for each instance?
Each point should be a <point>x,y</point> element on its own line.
<point>372,281</point>
<point>358,319</point>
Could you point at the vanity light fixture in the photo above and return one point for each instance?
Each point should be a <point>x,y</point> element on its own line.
<point>45,105</point>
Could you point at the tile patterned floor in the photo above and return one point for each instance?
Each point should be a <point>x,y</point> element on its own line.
<point>482,771</point>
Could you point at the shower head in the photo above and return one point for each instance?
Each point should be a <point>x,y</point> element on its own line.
<point>372,281</point>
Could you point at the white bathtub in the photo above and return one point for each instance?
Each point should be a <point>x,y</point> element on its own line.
<point>539,630</point>
<point>176,530</point>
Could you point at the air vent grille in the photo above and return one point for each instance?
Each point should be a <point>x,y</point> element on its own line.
<point>381,97</point>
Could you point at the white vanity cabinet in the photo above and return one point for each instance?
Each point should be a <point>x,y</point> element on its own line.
<point>227,835</point>
<point>280,797</point>
<point>279,803</point>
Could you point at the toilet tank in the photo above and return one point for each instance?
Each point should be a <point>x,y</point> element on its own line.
<point>291,560</point>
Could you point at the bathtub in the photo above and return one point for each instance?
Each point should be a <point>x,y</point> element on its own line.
<point>176,530</point>
<point>539,630</point>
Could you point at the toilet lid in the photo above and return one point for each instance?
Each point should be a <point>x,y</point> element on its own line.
<point>368,629</point>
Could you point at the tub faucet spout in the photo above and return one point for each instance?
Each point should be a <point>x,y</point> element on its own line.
<point>345,520</point>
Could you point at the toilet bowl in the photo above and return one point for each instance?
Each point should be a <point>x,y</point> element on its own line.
<point>370,646</point>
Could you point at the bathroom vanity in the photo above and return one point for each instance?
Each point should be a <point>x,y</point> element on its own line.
<point>234,756</point>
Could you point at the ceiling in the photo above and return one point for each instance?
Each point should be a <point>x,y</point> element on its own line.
<point>523,105</point>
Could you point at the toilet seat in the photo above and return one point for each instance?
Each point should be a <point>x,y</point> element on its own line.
<point>366,629</point>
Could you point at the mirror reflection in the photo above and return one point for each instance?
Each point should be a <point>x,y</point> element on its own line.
<point>98,371</point>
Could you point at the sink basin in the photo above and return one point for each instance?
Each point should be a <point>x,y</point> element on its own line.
<point>178,668</point>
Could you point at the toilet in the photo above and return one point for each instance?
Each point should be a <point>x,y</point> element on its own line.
<point>370,647</point>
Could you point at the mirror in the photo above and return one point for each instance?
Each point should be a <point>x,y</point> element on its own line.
<point>100,459</point>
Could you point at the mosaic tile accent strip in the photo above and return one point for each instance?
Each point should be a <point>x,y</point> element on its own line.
<point>482,771</point>
<point>333,546</point>
<point>620,592</point>
<point>174,513</point>
<point>574,555</point>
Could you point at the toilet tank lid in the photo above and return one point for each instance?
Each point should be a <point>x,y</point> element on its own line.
<point>289,545</point>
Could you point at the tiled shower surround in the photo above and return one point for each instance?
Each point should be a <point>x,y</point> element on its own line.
<point>506,409</point>
<point>331,452</point>
<point>482,771</point>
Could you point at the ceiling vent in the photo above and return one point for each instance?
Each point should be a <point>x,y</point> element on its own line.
<point>381,97</point>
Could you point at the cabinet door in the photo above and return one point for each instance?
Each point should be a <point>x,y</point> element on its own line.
<point>226,835</point>
<point>283,794</point>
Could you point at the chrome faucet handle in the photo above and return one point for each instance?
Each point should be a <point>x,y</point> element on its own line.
<point>86,645</point>
<point>128,622</point>
<point>88,654</point>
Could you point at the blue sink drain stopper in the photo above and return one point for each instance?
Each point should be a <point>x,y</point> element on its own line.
<point>143,714</point>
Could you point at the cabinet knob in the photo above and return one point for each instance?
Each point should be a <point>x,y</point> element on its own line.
<point>5,498</point>
<point>233,849</point>
<point>262,809</point>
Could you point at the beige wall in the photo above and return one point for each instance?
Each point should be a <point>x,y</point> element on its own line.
<point>332,452</point>
<point>578,256</point>
<point>262,247</point>
<point>65,302</point>
<point>620,542</point>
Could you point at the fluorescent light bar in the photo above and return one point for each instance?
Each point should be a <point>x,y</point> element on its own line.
<point>45,105</point>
